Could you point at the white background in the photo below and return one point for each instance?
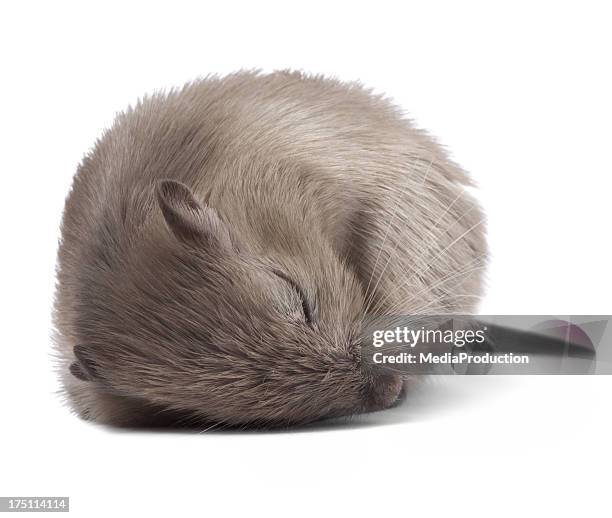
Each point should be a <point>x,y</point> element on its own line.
<point>520,94</point>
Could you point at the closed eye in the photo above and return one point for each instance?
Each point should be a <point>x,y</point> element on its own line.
<point>306,307</point>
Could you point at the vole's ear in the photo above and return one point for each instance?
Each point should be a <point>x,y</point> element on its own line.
<point>189,219</point>
<point>85,368</point>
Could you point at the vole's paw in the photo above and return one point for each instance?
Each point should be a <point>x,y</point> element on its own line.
<point>85,367</point>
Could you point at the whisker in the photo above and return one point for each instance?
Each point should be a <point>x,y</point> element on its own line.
<point>435,225</point>
<point>402,284</point>
<point>373,292</point>
<point>456,240</point>
<point>370,295</point>
<point>466,270</point>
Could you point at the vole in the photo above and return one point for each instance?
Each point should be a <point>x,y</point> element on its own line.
<point>223,243</point>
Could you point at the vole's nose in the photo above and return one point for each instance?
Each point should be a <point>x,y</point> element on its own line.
<point>383,390</point>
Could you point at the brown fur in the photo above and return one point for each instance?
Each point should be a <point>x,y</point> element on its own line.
<point>223,242</point>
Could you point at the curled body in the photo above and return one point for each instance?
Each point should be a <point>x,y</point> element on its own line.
<point>223,243</point>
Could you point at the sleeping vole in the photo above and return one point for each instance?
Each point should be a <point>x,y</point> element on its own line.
<point>223,243</point>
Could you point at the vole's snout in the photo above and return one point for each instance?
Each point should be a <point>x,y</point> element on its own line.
<point>382,391</point>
